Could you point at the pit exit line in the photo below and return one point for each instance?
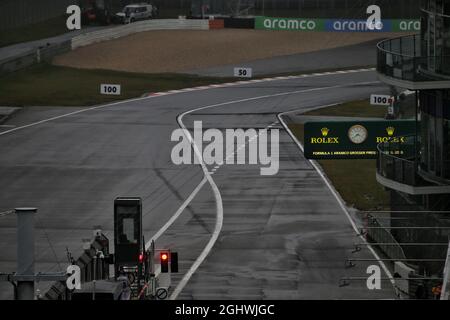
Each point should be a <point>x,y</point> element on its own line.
<point>336,194</point>
<point>208,175</point>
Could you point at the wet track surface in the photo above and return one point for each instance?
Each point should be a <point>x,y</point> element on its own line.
<point>283,236</point>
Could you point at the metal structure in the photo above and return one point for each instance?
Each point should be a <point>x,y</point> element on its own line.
<point>411,275</point>
<point>24,279</point>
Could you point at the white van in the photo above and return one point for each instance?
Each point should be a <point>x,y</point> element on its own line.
<point>135,12</point>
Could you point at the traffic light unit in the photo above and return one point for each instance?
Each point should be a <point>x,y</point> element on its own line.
<point>164,258</point>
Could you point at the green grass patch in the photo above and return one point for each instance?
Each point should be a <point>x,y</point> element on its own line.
<point>41,30</point>
<point>360,108</point>
<point>353,179</point>
<point>48,85</point>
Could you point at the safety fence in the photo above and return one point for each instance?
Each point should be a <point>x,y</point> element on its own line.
<point>93,263</point>
<point>418,259</point>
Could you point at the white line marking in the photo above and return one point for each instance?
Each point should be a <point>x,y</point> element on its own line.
<point>219,208</point>
<point>219,205</point>
<point>73,113</point>
<point>219,220</point>
<point>177,214</point>
<point>336,195</point>
<point>159,94</point>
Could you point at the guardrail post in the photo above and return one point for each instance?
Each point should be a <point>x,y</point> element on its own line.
<point>25,252</point>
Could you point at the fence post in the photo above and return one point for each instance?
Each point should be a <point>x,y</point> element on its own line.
<point>445,294</point>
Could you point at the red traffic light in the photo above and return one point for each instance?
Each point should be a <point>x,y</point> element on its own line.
<point>141,257</point>
<point>164,256</point>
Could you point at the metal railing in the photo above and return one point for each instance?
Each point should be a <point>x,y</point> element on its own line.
<point>397,160</point>
<point>382,236</point>
<point>401,58</point>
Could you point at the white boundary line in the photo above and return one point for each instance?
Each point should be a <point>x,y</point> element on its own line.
<point>219,214</point>
<point>186,90</point>
<point>337,197</point>
<point>177,214</point>
<point>207,174</point>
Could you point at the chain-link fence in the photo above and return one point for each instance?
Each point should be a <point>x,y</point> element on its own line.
<point>391,9</point>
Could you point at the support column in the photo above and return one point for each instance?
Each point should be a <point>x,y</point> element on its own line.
<point>25,252</point>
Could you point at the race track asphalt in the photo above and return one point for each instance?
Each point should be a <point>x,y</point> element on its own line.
<point>283,236</point>
<point>351,56</point>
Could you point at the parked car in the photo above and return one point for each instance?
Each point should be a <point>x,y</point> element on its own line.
<point>97,11</point>
<point>135,12</point>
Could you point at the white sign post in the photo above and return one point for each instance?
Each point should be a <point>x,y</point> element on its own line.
<point>110,89</point>
<point>243,72</point>
<point>381,100</point>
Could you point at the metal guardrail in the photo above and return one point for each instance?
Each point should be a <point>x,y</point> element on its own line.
<point>92,268</point>
<point>420,286</point>
<point>397,161</point>
<point>401,58</point>
<point>383,236</point>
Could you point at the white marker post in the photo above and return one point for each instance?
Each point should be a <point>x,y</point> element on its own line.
<point>381,100</point>
<point>241,72</point>
<point>110,89</point>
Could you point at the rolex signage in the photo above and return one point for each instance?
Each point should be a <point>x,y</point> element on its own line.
<point>353,139</point>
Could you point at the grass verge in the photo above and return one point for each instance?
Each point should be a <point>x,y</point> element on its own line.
<point>48,85</point>
<point>359,108</point>
<point>353,179</point>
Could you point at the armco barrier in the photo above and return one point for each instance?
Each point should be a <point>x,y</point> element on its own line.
<point>334,25</point>
<point>216,24</point>
<point>91,267</point>
<point>125,30</point>
<point>240,23</point>
<point>44,53</point>
<point>352,25</point>
<point>297,24</point>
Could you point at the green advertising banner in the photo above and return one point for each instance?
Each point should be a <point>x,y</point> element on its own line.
<point>353,139</point>
<point>405,25</point>
<point>293,24</point>
<point>333,25</point>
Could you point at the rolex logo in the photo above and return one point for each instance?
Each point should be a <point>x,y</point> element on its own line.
<point>390,131</point>
<point>325,131</point>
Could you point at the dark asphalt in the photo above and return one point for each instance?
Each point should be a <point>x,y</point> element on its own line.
<point>358,55</point>
<point>284,236</point>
